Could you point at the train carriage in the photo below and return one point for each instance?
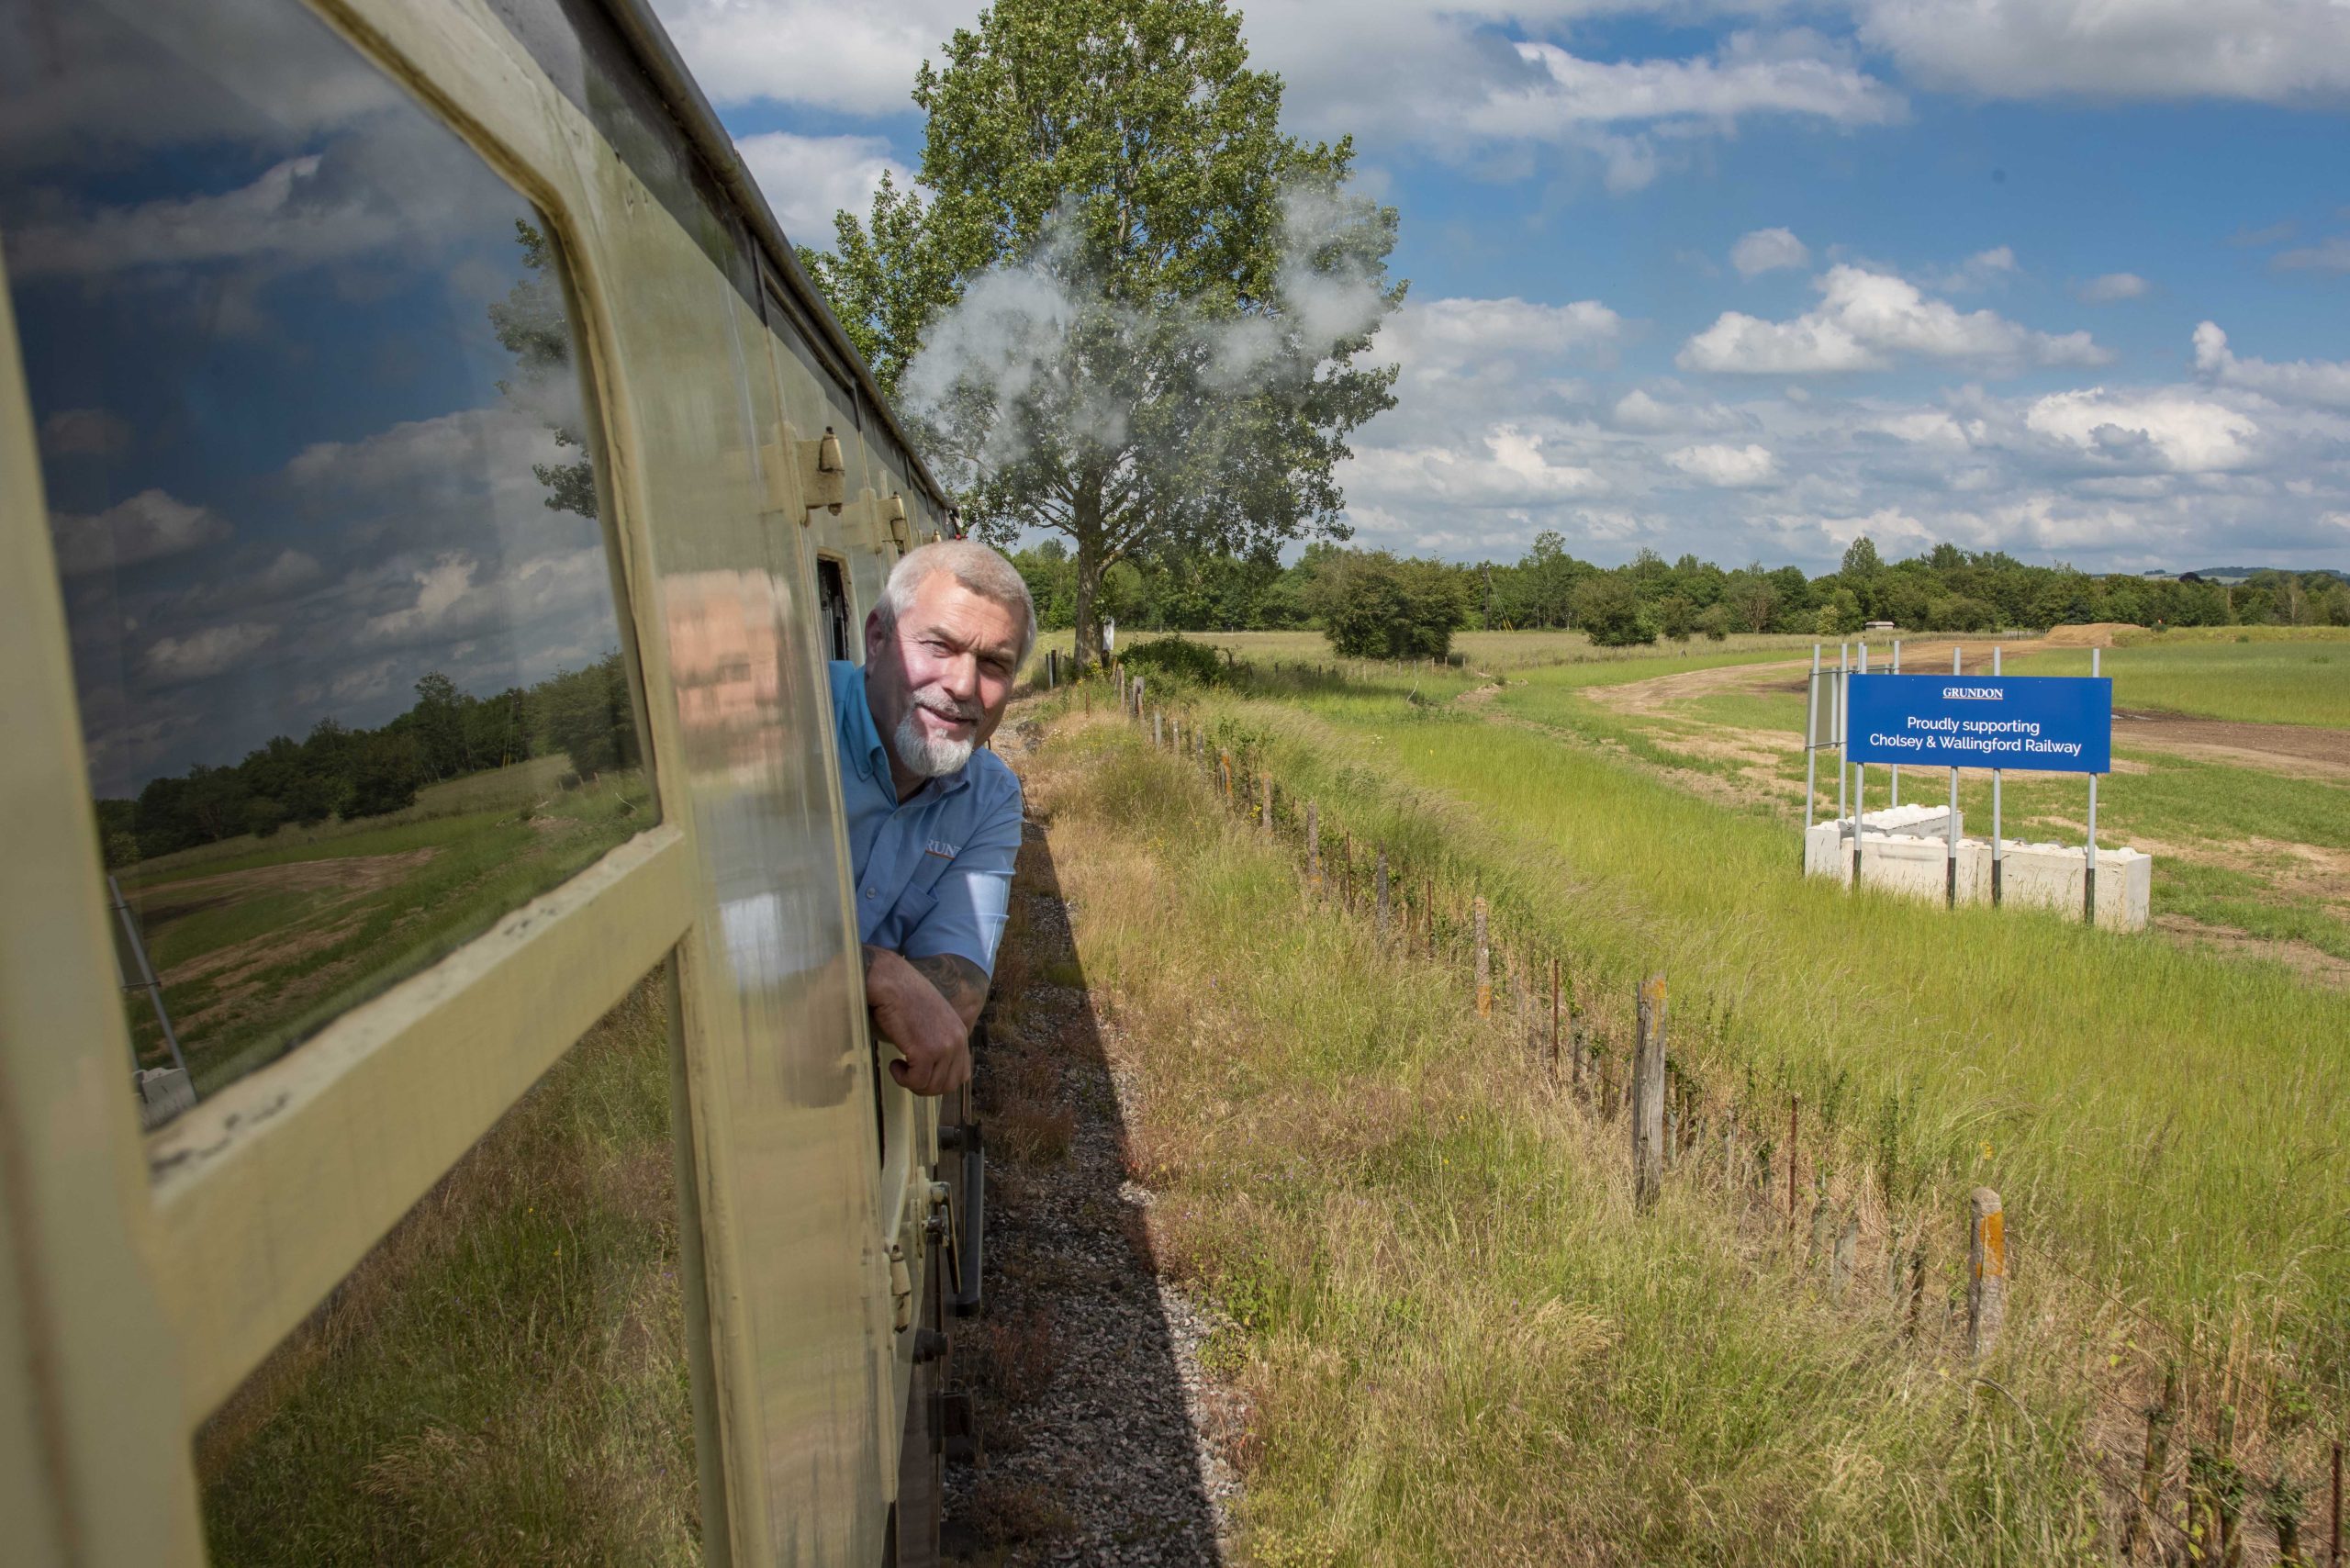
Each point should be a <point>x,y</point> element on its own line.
<point>374,345</point>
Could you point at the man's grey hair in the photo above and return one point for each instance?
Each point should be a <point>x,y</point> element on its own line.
<point>977,568</point>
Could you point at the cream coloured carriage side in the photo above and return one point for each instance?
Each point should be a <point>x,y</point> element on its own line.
<point>707,417</point>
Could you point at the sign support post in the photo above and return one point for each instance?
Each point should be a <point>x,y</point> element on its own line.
<point>2088,881</point>
<point>1836,695</point>
<point>1950,867</point>
<point>1895,801</point>
<point>1997,851</point>
<point>1860,774</point>
<point>1811,744</point>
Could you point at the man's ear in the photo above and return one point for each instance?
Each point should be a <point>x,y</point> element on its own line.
<point>877,635</point>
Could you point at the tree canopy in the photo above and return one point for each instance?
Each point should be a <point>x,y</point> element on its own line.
<point>1122,306</point>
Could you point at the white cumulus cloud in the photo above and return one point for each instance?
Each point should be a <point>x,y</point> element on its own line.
<point>806,179</point>
<point>206,652</point>
<point>1456,333</point>
<point>1727,467</point>
<point>2111,289</point>
<point>1767,249</point>
<point>2158,429</point>
<point>1864,320</point>
<point>2320,380</point>
<point>2266,50</point>
<point>148,526</point>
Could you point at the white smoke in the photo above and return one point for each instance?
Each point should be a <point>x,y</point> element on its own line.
<point>1039,353</point>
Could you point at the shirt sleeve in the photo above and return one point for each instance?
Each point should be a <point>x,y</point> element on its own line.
<point>974,893</point>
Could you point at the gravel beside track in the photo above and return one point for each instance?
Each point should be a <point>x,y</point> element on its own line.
<point>1085,1372</point>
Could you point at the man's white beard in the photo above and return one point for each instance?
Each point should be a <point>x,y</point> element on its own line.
<point>920,752</point>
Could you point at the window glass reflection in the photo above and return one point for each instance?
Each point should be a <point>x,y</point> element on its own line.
<point>315,450</point>
<point>503,1380</point>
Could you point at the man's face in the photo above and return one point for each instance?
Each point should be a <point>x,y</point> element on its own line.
<point>939,678</point>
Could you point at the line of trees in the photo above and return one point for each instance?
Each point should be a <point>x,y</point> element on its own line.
<point>1944,589</point>
<point>340,772</point>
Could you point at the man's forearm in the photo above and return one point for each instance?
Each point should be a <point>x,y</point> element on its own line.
<point>962,984</point>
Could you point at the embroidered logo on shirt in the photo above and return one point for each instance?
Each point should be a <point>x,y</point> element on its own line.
<point>944,851</point>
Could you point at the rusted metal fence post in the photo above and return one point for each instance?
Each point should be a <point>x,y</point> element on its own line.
<point>1648,1095</point>
<point>2159,1419</point>
<point>1986,1272</point>
<point>1224,773</point>
<point>1383,894</point>
<point>1485,958</point>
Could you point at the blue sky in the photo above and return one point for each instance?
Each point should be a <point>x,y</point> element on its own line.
<point>2060,277</point>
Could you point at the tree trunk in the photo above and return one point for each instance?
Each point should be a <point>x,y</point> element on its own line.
<point>1086,514</point>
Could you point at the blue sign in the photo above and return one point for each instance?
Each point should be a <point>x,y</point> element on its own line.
<point>2052,723</point>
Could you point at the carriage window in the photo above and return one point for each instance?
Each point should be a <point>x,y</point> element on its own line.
<point>317,462</point>
<point>832,594</point>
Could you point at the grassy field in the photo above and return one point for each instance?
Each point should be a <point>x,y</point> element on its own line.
<point>504,1378</point>
<point>258,942</point>
<point>1458,1342</point>
<point>2305,680</point>
<point>2110,1086</point>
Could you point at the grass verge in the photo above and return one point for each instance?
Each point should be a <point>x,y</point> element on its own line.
<point>1460,1342</point>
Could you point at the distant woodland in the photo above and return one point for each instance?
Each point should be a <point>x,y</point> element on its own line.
<point>1944,589</point>
<point>340,772</point>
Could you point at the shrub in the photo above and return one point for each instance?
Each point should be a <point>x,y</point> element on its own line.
<point>1611,614</point>
<point>1177,656</point>
<point>1715,623</point>
<point>1373,606</point>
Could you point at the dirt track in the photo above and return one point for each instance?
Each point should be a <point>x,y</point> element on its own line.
<point>2297,751</point>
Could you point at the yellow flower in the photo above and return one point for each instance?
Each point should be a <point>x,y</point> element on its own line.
<point>1985,1151</point>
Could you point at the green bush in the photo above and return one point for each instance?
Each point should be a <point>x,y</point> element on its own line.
<point>1373,606</point>
<point>1177,656</point>
<point>1609,608</point>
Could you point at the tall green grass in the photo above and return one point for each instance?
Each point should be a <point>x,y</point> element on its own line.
<point>2272,681</point>
<point>1459,1342</point>
<point>2169,1120</point>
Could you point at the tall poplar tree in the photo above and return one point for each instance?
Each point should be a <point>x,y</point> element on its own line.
<point>1123,305</point>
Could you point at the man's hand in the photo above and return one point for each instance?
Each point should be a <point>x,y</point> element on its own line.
<point>928,1020</point>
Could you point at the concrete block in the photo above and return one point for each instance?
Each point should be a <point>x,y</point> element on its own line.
<point>2034,876</point>
<point>163,1092</point>
<point>1828,848</point>
<point>2052,876</point>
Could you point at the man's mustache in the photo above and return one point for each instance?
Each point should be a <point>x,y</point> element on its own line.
<point>947,708</point>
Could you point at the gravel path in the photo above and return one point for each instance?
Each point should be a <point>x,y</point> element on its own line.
<point>1085,1369</point>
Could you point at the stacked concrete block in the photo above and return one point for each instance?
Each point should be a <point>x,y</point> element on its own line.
<point>2055,875</point>
<point>2034,876</point>
<point>1828,848</point>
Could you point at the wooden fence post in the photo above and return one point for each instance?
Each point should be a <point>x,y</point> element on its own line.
<point>1313,847</point>
<point>1554,1020</point>
<point>1485,958</point>
<point>1794,1126</point>
<point>1383,894</point>
<point>1648,1095</point>
<point>2159,1418</point>
<point>1848,1250</point>
<point>1986,1272</point>
<point>1268,780</point>
<point>1158,730</point>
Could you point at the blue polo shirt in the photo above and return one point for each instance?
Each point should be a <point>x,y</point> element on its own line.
<point>932,875</point>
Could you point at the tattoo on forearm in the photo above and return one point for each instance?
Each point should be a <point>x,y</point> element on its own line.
<point>962,982</point>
